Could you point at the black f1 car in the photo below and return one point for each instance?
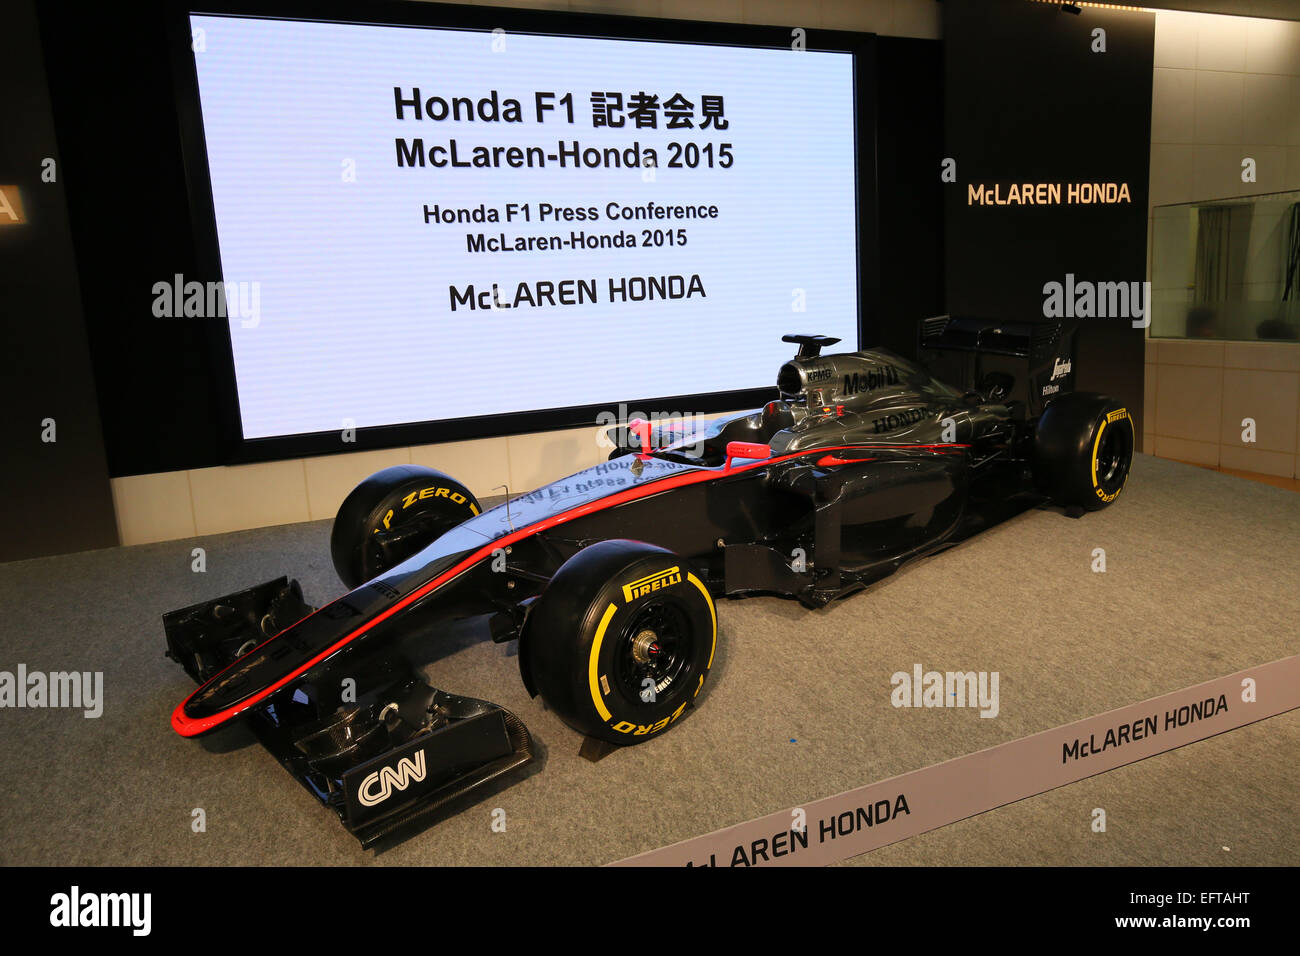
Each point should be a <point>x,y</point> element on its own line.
<point>607,578</point>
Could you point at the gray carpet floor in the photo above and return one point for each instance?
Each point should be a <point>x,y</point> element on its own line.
<point>1203,579</point>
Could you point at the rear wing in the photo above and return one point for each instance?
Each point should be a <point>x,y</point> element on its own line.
<point>1037,356</point>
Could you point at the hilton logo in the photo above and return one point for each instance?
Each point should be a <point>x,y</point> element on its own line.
<point>654,582</point>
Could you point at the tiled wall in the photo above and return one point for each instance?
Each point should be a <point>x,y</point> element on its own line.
<point>1225,88</point>
<point>181,504</point>
<point>1199,392</point>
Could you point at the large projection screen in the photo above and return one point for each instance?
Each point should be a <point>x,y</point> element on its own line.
<point>423,224</point>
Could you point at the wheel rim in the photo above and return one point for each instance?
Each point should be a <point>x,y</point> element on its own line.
<point>656,644</point>
<point>1112,459</point>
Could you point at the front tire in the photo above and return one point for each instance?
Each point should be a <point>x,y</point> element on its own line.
<point>620,641</point>
<point>1083,450</point>
<point>392,515</point>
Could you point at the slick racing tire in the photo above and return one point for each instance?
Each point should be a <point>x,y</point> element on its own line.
<point>392,515</point>
<point>1083,450</point>
<point>620,641</point>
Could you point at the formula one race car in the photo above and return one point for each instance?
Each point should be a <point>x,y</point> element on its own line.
<point>607,578</point>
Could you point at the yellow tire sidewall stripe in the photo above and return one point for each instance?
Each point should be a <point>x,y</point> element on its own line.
<point>1096,444</point>
<point>708,599</point>
<point>593,664</point>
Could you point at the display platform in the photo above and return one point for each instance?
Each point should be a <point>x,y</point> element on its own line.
<point>1201,580</point>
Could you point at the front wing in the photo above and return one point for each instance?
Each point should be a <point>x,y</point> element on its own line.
<point>379,746</point>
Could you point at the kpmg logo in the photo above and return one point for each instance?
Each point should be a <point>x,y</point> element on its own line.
<point>379,786</point>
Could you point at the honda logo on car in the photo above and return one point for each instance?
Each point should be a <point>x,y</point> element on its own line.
<point>379,786</point>
<point>643,586</point>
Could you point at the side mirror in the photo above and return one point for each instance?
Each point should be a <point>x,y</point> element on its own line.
<point>747,449</point>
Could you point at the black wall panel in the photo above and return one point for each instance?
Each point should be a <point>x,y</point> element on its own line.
<point>54,495</point>
<point>112,90</point>
<point>909,148</point>
<point>1029,100</point>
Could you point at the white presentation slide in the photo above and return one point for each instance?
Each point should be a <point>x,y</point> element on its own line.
<point>427,224</point>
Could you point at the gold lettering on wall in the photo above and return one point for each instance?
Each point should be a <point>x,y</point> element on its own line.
<point>1047,194</point>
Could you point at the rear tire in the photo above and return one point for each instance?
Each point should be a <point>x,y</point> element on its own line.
<point>392,515</point>
<point>1083,450</point>
<point>620,641</point>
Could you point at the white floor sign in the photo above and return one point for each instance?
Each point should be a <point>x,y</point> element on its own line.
<point>836,828</point>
